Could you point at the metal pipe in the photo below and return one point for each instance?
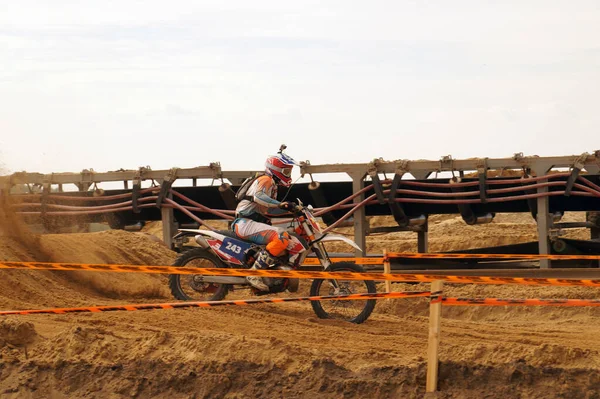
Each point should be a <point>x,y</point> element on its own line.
<point>205,208</point>
<point>190,214</point>
<point>83,208</point>
<point>589,183</point>
<point>74,199</point>
<point>316,193</point>
<point>529,187</point>
<point>340,204</point>
<point>354,209</point>
<point>88,212</point>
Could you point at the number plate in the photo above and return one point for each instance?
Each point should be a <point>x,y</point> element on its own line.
<point>235,248</point>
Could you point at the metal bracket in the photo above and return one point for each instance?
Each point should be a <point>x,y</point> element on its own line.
<point>577,166</point>
<point>523,160</point>
<point>446,163</point>
<point>87,177</point>
<point>302,165</point>
<point>216,168</point>
<point>580,161</point>
<point>372,168</point>
<point>403,167</point>
<point>518,156</point>
<point>373,172</point>
<point>165,186</point>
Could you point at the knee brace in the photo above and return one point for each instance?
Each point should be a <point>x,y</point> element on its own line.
<point>278,245</point>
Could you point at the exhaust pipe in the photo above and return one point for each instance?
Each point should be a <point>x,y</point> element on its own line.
<point>202,241</point>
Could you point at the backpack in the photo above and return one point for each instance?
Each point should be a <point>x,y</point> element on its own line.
<point>241,192</point>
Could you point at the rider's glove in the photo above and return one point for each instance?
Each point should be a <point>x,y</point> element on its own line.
<point>288,206</point>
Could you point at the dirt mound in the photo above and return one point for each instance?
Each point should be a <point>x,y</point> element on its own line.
<point>24,288</point>
<point>15,232</point>
<point>16,332</point>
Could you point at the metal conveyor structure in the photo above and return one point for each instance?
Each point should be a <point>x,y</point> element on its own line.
<point>408,190</point>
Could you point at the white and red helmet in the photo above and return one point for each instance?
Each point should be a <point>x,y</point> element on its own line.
<point>280,167</point>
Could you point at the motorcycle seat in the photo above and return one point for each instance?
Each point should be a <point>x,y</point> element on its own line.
<point>231,234</point>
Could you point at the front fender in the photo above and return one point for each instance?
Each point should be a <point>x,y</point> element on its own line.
<point>337,237</point>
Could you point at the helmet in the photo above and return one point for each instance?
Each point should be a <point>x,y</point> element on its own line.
<point>280,167</point>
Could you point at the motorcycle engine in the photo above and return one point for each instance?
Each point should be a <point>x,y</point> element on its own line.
<point>281,284</point>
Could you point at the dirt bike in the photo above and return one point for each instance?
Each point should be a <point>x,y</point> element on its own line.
<point>223,249</point>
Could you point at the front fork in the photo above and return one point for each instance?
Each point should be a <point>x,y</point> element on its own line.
<point>321,253</point>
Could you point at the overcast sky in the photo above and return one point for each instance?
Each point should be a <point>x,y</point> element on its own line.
<point>122,84</point>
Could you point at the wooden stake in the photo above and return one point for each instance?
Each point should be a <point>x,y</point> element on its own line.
<point>435,318</point>
<point>387,269</point>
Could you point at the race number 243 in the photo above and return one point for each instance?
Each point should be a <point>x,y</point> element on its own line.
<point>231,247</point>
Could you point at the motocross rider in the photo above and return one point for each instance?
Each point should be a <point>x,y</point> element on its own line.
<point>253,214</point>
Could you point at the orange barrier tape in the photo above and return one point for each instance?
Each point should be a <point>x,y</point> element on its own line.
<point>422,278</point>
<point>519,302</point>
<point>400,255</point>
<point>208,304</point>
<point>358,261</point>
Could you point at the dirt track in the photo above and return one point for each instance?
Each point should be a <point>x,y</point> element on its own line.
<point>280,350</point>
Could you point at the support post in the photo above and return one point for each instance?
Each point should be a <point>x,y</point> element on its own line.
<point>360,220</point>
<point>169,226</point>
<point>423,239</point>
<point>387,269</point>
<point>593,218</point>
<point>422,242</point>
<point>543,229</point>
<point>435,321</point>
<point>543,218</point>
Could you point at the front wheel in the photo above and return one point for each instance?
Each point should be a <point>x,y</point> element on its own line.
<point>354,311</point>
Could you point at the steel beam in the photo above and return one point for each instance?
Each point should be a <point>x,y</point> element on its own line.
<point>421,168</point>
<point>207,172</point>
<point>86,179</point>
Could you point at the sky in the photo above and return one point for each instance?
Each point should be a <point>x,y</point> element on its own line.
<point>123,84</point>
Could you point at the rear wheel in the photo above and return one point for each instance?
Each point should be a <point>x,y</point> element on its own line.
<point>354,311</point>
<point>190,287</point>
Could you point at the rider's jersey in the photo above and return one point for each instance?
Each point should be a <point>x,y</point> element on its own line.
<point>264,193</point>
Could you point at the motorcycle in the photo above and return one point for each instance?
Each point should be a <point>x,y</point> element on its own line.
<point>223,249</point>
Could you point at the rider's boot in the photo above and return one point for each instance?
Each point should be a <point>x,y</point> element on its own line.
<point>263,261</point>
